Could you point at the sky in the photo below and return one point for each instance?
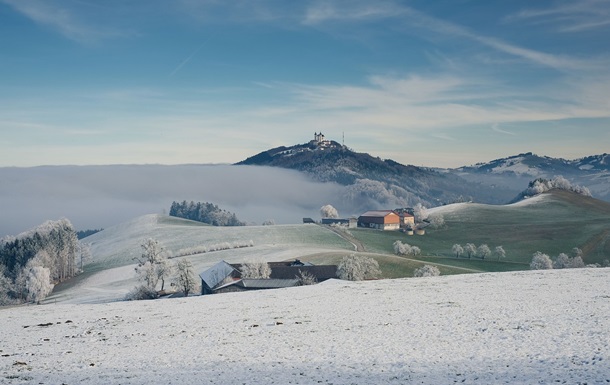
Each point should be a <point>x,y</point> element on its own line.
<point>441,84</point>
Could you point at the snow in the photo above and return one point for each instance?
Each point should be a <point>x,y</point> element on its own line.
<point>497,328</point>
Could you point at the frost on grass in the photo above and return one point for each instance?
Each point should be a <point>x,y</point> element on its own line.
<point>549,327</point>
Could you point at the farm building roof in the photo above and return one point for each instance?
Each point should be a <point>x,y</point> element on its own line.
<point>378,213</point>
<point>216,274</point>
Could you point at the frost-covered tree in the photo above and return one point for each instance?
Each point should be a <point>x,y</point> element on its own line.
<point>483,251</point>
<point>499,252</point>
<point>358,268</point>
<point>563,261</point>
<point>38,283</point>
<point>457,249</point>
<point>577,262</point>
<point>420,213</point>
<point>269,222</point>
<point>185,276</point>
<point>6,287</point>
<point>405,249</point>
<point>541,185</point>
<point>436,221</point>
<point>84,254</point>
<point>306,278</point>
<point>470,249</point>
<point>256,270</point>
<point>328,211</point>
<point>576,252</point>
<point>427,271</point>
<point>541,261</point>
<point>152,264</point>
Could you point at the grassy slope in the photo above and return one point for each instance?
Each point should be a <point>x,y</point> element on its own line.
<point>118,245</point>
<point>555,223</point>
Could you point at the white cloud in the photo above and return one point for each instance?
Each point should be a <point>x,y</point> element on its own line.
<point>66,21</point>
<point>568,16</point>
<point>496,128</point>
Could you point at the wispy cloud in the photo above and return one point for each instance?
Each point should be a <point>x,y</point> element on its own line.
<point>411,18</point>
<point>568,16</point>
<point>496,128</point>
<point>185,61</point>
<point>67,21</point>
<point>320,12</point>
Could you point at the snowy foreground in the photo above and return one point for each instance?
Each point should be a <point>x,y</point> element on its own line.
<point>501,328</point>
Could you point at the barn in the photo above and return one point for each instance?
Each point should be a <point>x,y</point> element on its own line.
<point>380,219</point>
<point>226,277</point>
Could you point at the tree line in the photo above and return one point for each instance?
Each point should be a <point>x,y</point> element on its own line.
<point>204,212</point>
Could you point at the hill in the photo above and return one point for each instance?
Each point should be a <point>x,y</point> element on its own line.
<point>514,172</point>
<point>376,183</point>
<point>553,222</point>
<point>502,328</point>
<point>373,182</point>
<point>110,274</point>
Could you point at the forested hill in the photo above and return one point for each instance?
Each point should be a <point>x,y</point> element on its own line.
<point>367,177</point>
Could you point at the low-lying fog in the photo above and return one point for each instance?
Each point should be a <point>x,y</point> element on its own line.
<point>101,196</point>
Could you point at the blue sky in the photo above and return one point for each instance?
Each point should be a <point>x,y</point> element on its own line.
<point>443,83</point>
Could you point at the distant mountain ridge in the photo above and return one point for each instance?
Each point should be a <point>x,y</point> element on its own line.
<point>372,182</point>
<point>512,172</point>
<point>371,179</point>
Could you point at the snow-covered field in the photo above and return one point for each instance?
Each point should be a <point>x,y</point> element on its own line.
<point>500,328</point>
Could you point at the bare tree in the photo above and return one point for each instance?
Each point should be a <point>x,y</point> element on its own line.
<point>436,221</point>
<point>185,276</point>
<point>328,211</point>
<point>563,261</point>
<point>38,283</point>
<point>405,249</point>
<point>306,278</point>
<point>470,249</point>
<point>457,249</point>
<point>541,261</point>
<point>256,270</point>
<point>420,213</point>
<point>483,251</point>
<point>152,264</point>
<point>499,252</point>
<point>358,268</point>
<point>427,271</point>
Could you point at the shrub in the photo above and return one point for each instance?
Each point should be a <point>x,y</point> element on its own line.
<point>427,271</point>
<point>141,292</point>
<point>358,268</point>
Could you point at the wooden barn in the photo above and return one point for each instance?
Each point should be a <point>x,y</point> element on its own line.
<point>380,219</point>
<point>225,277</point>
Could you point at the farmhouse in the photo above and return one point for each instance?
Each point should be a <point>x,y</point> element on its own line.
<point>380,219</point>
<point>225,277</point>
<point>406,219</point>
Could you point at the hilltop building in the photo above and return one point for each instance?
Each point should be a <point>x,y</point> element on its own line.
<point>320,141</point>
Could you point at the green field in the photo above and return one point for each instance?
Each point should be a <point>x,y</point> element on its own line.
<point>556,223</point>
<point>553,223</point>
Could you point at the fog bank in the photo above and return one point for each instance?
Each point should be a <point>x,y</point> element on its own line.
<point>101,196</point>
